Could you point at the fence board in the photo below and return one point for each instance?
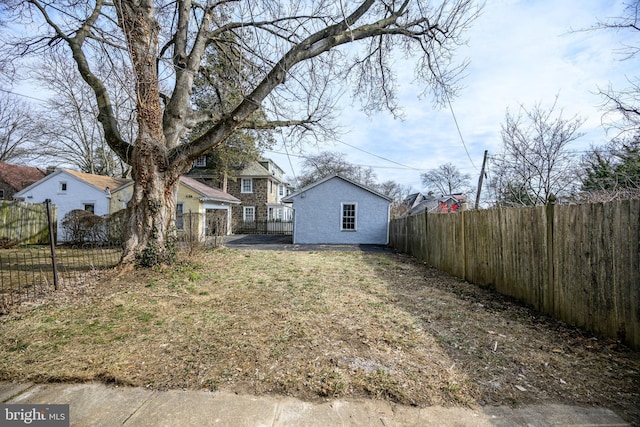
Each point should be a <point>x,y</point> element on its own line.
<point>24,223</point>
<point>579,263</point>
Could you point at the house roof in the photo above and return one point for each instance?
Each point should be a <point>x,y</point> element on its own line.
<point>255,170</point>
<point>430,203</point>
<point>207,192</point>
<point>273,165</point>
<point>454,197</point>
<point>424,205</point>
<point>19,177</point>
<point>322,181</point>
<point>99,181</point>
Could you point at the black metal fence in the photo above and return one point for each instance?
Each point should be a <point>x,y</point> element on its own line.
<point>264,227</point>
<point>30,274</point>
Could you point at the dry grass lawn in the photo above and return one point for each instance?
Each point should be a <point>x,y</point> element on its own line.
<point>315,325</point>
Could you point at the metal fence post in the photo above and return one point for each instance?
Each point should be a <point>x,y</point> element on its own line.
<point>52,245</point>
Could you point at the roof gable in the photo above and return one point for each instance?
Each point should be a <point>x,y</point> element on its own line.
<point>98,182</point>
<point>347,180</point>
<point>19,177</point>
<point>255,170</point>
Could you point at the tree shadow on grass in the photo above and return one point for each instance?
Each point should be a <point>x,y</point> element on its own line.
<point>512,354</point>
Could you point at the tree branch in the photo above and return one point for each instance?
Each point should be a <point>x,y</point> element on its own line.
<point>75,43</point>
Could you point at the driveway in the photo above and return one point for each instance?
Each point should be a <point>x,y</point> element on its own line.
<point>285,243</point>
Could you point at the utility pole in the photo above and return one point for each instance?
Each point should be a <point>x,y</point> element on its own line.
<point>484,162</point>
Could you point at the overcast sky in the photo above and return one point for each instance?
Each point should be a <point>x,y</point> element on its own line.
<point>520,52</point>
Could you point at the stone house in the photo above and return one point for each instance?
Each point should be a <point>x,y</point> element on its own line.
<point>260,186</point>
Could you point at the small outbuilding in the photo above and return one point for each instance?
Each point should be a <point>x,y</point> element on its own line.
<point>337,210</point>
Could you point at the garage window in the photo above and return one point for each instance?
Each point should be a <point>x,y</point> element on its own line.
<point>348,217</point>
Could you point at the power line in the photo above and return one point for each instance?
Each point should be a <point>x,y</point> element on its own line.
<point>446,96</point>
<point>400,166</point>
<point>284,144</point>
<point>22,95</point>
<point>453,114</point>
<point>380,157</point>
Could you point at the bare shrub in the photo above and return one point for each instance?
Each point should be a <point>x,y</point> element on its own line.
<point>82,227</point>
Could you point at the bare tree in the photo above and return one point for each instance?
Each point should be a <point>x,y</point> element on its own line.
<point>447,179</point>
<point>327,163</point>
<point>293,49</point>
<point>535,162</point>
<point>624,103</point>
<point>72,130</point>
<point>19,130</point>
<point>398,193</point>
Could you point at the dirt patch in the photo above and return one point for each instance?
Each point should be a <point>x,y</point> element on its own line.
<point>316,325</point>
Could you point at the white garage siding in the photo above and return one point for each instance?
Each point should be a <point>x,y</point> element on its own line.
<point>318,217</point>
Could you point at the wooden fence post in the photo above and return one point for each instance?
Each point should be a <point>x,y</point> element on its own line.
<point>52,245</point>
<point>548,302</point>
<point>464,245</point>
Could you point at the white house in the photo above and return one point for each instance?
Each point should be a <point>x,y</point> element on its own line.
<point>70,190</point>
<point>336,210</point>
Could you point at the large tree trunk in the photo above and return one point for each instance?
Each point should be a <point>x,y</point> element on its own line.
<point>150,223</point>
<point>150,220</point>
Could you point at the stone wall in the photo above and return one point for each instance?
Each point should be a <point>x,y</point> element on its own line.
<point>258,198</point>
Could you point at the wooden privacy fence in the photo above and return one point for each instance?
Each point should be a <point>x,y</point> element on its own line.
<point>24,223</point>
<point>577,263</point>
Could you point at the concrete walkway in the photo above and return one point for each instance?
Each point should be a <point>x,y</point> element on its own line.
<point>94,404</point>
